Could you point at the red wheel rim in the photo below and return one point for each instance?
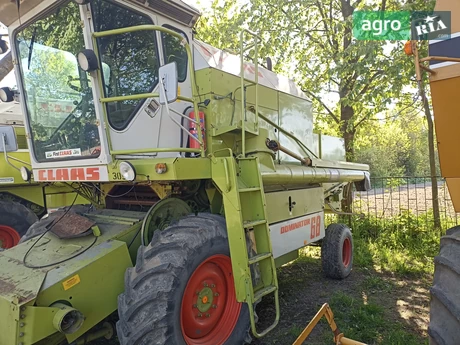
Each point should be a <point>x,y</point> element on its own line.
<point>346,252</point>
<point>209,310</point>
<point>8,237</point>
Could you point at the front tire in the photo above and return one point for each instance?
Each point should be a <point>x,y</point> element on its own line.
<point>445,298</point>
<point>15,220</point>
<point>337,251</point>
<point>181,290</point>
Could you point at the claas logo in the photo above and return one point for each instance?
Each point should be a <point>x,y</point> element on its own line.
<point>69,174</point>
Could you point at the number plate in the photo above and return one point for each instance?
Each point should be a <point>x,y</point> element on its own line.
<point>296,233</point>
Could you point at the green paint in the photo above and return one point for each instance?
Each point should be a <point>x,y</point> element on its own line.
<point>205,299</point>
<point>100,273</point>
<point>245,208</point>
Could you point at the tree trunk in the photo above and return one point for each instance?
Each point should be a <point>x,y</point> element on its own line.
<point>348,131</point>
<point>434,180</point>
<point>6,65</point>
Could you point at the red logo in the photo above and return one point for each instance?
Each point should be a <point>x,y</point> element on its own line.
<point>69,174</point>
<point>315,228</point>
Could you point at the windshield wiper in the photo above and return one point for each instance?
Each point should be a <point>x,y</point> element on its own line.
<point>31,48</point>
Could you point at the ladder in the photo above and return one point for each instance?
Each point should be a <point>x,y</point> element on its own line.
<point>245,83</point>
<point>245,209</point>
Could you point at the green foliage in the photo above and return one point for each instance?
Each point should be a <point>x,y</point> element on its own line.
<point>366,322</point>
<point>395,147</point>
<point>403,244</point>
<point>313,40</point>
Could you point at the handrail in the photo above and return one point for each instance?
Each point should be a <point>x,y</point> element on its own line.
<point>193,100</point>
<point>243,86</point>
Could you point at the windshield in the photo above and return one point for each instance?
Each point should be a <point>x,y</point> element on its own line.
<point>60,105</point>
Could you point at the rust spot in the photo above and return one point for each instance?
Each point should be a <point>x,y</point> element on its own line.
<point>71,225</point>
<point>6,287</point>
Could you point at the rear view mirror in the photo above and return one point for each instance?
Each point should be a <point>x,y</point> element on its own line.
<point>8,142</point>
<point>168,83</point>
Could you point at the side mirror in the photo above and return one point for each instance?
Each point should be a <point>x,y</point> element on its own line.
<point>168,83</point>
<point>8,142</point>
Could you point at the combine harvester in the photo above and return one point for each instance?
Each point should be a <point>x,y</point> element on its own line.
<point>203,172</point>
<point>22,203</point>
<point>443,67</point>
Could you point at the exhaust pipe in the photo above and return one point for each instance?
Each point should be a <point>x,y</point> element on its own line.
<point>67,319</point>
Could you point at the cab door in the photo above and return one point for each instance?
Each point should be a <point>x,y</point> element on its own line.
<point>133,60</point>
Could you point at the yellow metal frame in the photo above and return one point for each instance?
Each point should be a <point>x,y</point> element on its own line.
<point>339,338</point>
<point>192,100</point>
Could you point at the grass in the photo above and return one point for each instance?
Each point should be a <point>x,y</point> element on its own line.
<point>405,244</point>
<point>366,321</point>
<point>389,254</point>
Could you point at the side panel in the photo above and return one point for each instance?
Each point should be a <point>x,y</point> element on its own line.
<point>296,233</point>
<point>89,286</point>
<point>296,117</point>
<point>303,201</point>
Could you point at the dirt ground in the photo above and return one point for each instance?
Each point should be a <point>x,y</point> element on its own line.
<point>303,290</point>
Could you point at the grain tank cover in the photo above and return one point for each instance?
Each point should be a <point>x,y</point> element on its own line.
<point>207,56</point>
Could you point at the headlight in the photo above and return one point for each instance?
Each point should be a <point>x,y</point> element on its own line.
<point>127,171</point>
<point>25,174</point>
<point>6,94</point>
<point>87,60</point>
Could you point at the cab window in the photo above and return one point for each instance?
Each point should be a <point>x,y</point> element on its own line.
<point>131,57</point>
<point>174,51</point>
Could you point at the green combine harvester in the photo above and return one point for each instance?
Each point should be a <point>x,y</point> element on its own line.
<point>202,173</point>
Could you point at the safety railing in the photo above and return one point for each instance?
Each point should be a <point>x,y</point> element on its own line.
<point>411,48</point>
<point>245,82</point>
<point>192,100</point>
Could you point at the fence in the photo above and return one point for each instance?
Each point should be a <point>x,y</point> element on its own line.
<point>409,198</point>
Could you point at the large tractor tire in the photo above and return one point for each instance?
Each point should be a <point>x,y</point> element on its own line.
<point>181,290</point>
<point>445,293</point>
<point>337,251</point>
<point>15,219</point>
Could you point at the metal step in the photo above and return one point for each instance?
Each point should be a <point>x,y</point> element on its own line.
<point>251,189</point>
<point>251,223</point>
<point>259,257</point>
<point>264,292</point>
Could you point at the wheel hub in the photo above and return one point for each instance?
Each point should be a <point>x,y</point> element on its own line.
<point>8,237</point>
<point>205,299</point>
<point>209,309</point>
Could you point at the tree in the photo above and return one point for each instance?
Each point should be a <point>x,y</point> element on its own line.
<point>316,37</point>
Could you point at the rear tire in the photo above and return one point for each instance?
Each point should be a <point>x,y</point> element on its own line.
<point>445,298</point>
<point>337,251</point>
<point>15,220</point>
<point>160,304</point>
